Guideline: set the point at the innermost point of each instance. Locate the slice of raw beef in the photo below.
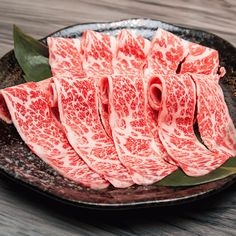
(29, 108)
(214, 122)
(78, 108)
(131, 52)
(177, 96)
(65, 56)
(166, 52)
(98, 50)
(134, 143)
(200, 60)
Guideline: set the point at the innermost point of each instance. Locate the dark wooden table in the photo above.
(25, 213)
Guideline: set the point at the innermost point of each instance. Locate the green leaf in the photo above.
(178, 178)
(32, 56)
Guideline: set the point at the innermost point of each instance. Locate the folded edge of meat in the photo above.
(4, 112)
(175, 120)
(78, 108)
(30, 110)
(153, 100)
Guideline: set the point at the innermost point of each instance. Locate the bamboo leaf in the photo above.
(32, 56)
(178, 178)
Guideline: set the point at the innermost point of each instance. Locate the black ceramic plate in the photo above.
(17, 161)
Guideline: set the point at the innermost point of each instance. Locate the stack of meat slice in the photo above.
(30, 111)
(191, 82)
(121, 110)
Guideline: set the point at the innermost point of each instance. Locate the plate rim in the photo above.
(122, 206)
(134, 19)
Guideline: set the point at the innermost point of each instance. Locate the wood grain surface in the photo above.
(25, 213)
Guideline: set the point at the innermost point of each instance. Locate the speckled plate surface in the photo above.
(18, 162)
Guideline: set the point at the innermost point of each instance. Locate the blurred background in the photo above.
(39, 18)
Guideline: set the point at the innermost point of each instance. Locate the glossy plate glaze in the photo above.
(18, 162)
